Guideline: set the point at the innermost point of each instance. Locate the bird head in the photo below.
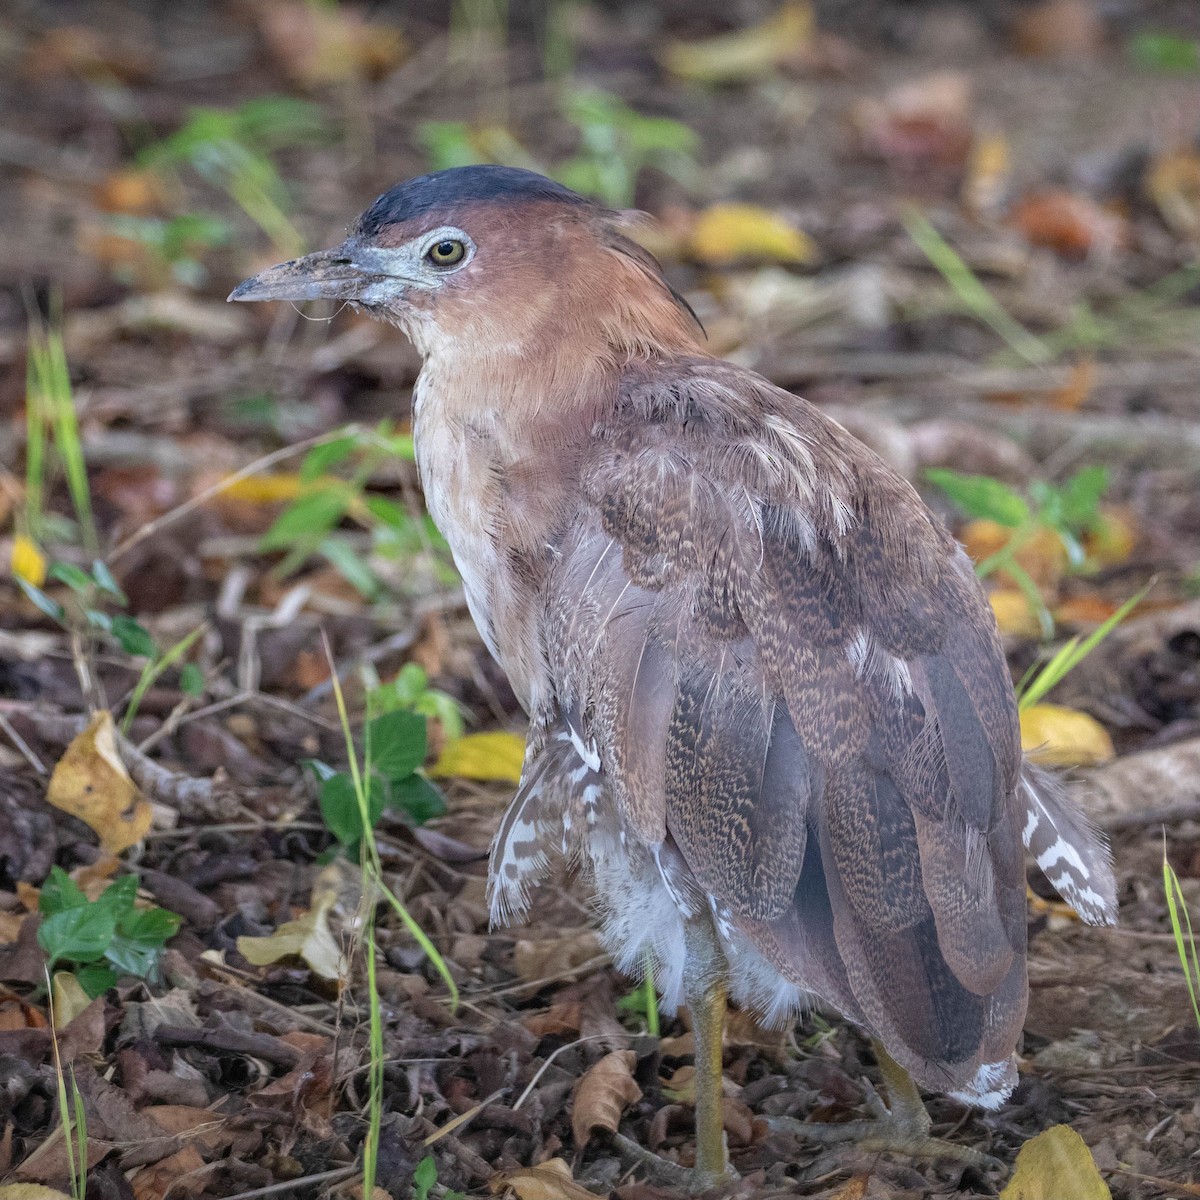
(492, 260)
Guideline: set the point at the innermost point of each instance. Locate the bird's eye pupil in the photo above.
(446, 253)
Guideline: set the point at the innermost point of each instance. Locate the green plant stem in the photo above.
(1181, 930)
(153, 669)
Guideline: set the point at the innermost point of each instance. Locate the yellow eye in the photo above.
(446, 253)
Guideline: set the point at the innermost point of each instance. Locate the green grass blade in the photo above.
(970, 292)
(1074, 652)
(1181, 931)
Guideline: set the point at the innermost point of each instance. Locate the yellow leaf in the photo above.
(1014, 614)
(307, 937)
(267, 489)
(69, 998)
(550, 1180)
(486, 756)
(729, 233)
(746, 53)
(1055, 1164)
(1063, 737)
(27, 561)
(90, 782)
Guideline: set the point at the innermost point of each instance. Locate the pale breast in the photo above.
(463, 465)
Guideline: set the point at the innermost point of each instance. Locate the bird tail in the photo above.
(1070, 852)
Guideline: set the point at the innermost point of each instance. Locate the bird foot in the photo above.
(690, 1181)
(887, 1132)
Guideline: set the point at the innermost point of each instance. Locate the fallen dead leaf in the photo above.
(1070, 224)
(307, 937)
(551, 958)
(730, 233)
(69, 998)
(1042, 556)
(1055, 1164)
(1112, 540)
(1014, 614)
(1064, 737)
(181, 1174)
(485, 756)
(924, 122)
(1059, 29)
(602, 1095)
(90, 782)
(30, 1191)
(989, 169)
(320, 44)
(1173, 184)
(745, 54)
(550, 1180)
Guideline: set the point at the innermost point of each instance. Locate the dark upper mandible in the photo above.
(459, 186)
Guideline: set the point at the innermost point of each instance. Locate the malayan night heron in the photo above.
(768, 707)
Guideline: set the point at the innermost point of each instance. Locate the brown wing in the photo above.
(787, 667)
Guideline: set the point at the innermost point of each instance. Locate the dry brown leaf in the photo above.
(30, 1191)
(1070, 224)
(602, 1095)
(130, 191)
(746, 54)
(321, 43)
(550, 1180)
(69, 998)
(554, 958)
(854, 1188)
(1059, 29)
(558, 1020)
(1054, 1165)
(1064, 737)
(90, 782)
(925, 122)
(181, 1173)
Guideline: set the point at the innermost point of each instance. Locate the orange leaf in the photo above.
(1072, 225)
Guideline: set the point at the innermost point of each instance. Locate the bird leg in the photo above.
(900, 1127)
(704, 988)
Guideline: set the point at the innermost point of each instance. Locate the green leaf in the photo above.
(149, 926)
(339, 807)
(191, 680)
(1080, 497)
(417, 798)
(96, 978)
(132, 958)
(133, 637)
(308, 520)
(424, 1177)
(78, 580)
(343, 557)
(106, 583)
(981, 496)
(78, 934)
(59, 893)
(320, 458)
(1165, 52)
(40, 600)
(389, 512)
(120, 896)
(396, 744)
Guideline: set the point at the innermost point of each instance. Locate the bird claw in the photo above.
(690, 1181)
(889, 1134)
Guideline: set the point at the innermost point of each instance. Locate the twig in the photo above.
(21, 744)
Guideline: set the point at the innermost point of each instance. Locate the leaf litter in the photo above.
(1058, 335)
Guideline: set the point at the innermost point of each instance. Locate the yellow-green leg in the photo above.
(704, 988)
(899, 1127)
